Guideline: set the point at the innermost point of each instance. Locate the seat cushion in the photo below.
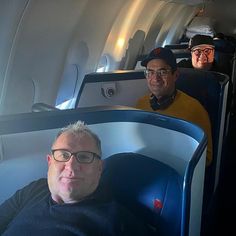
(147, 187)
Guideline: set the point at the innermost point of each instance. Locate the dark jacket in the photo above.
(32, 211)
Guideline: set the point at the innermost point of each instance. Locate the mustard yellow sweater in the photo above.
(186, 108)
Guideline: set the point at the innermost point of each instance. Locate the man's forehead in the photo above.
(158, 63)
(203, 46)
(74, 138)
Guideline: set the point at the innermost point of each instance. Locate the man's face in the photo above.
(160, 78)
(202, 57)
(71, 181)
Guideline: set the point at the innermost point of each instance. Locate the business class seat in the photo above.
(147, 190)
(180, 51)
(210, 88)
(163, 166)
(177, 46)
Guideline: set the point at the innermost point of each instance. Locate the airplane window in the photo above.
(104, 64)
(67, 87)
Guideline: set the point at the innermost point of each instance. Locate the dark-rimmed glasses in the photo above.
(62, 155)
(206, 51)
(159, 73)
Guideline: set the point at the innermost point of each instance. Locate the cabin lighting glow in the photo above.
(120, 42)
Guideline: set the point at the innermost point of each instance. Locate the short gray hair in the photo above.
(79, 128)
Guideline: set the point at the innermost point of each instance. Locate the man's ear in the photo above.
(49, 159)
(176, 74)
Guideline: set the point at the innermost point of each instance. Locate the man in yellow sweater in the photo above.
(161, 73)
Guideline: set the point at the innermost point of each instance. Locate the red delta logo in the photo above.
(157, 51)
(157, 204)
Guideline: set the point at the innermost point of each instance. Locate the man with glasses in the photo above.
(161, 73)
(70, 201)
(202, 55)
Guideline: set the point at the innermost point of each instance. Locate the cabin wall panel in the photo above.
(10, 17)
(38, 52)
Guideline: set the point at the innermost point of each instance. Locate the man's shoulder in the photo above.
(143, 102)
(37, 184)
(27, 195)
(184, 95)
(35, 189)
(144, 97)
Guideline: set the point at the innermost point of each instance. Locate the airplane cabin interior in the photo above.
(68, 60)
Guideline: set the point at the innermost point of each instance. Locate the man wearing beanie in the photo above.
(202, 55)
(161, 73)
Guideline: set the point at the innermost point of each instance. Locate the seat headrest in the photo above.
(148, 188)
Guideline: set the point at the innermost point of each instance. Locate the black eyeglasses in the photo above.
(160, 73)
(206, 51)
(62, 155)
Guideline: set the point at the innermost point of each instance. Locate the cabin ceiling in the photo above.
(196, 2)
(191, 2)
(222, 12)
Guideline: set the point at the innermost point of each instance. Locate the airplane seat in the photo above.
(181, 53)
(233, 81)
(211, 90)
(179, 145)
(111, 88)
(177, 46)
(224, 61)
(224, 45)
(147, 190)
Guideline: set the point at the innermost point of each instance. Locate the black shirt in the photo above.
(31, 211)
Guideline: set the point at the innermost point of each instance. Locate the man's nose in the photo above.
(202, 54)
(157, 78)
(203, 57)
(72, 163)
